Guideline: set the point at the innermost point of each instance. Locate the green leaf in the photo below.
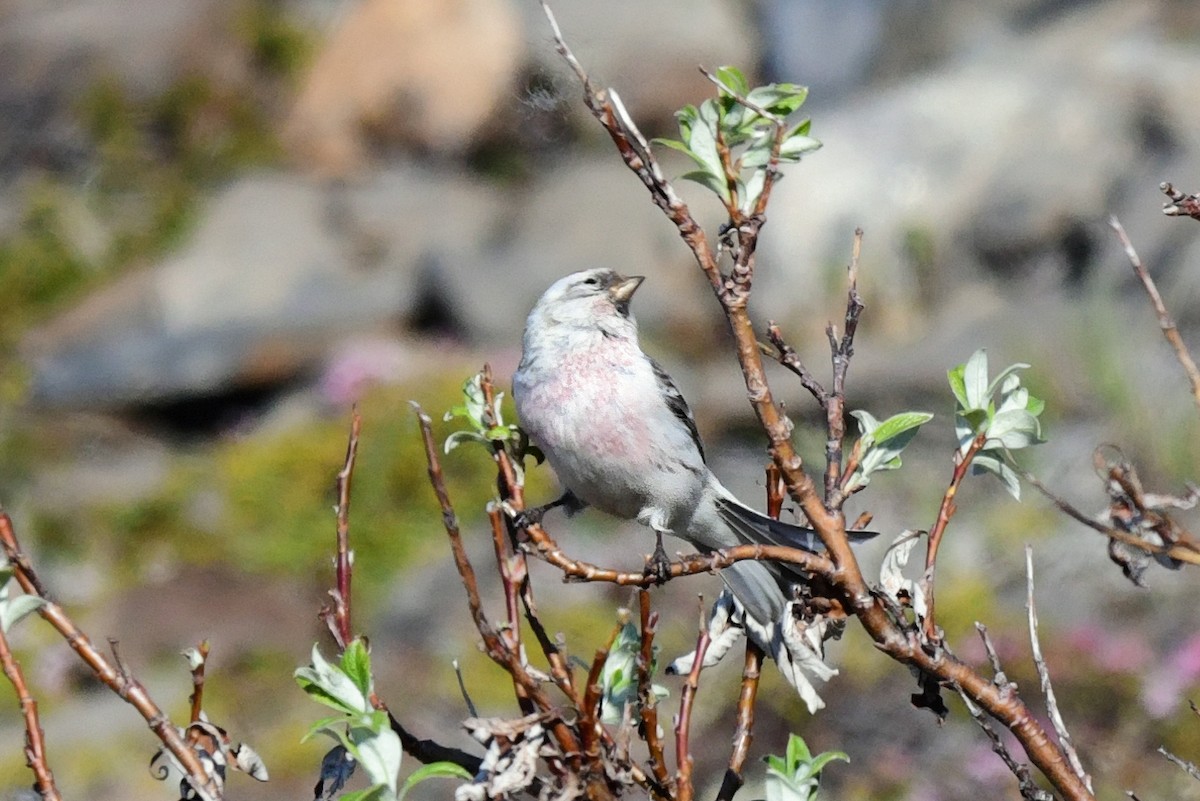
(447, 770)
(780, 99)
(992, 463)
(1005, 374)
(975, 381)
(379, 792)
(329, 685)
(356, 663)
(734, 79)
(14, 610)
(708, 180)
(378, 750)
(898, 424)
(797, 146)
(958, 385)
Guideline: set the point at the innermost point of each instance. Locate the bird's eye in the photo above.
(593, 281)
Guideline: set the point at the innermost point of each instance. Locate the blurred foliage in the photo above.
(262, 503)
(149, 161)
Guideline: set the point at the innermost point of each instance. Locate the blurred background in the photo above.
(224, 222)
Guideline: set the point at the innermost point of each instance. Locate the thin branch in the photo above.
(683, 724)
(647, 702)
(494, 644)
(1165, 321)
(197, 696)
(120, 681)
(340, 622)
(1189, 767)
(543, 546)
(743, 735)
(35, 741)
(786, 355)
(1064, 736)
(1183, 550)
(962, 461)
(1028, 787)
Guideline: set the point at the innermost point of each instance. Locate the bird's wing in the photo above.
(675, 402)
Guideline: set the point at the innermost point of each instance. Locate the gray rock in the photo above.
(991, 164)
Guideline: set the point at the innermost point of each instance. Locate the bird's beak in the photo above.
(622, 290)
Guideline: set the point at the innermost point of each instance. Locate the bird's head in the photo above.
(589, 299)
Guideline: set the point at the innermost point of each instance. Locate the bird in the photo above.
(621, 438)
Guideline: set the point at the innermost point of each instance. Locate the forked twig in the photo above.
(115, 677)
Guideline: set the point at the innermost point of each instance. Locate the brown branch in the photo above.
(835, 408)
(35, 742)
(1165, 321)
(962, 461)
(197, 696)
(647, 702)
(683, 724)
(494, 644)
(846, 579)
(120, 681)
(1183, 551)
(544, 547)
(743, 735)
(589, 718)
(339, 619)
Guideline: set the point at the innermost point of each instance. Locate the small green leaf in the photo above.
(448, 770)
(379, 792)
(329, 685)
(989, 462)
(707, 179)
(898, 424)
(14, 610)
(733, 78)
(975, 381)
(356, 663)
(955, 375)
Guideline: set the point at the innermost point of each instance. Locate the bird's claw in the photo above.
(658, 565)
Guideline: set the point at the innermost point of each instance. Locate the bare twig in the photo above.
(647, 702)
(197, 696)
(1165, 321)
(1183, 550)
(494, 644)
(743, 735)
(962, 461)
(683, 724)
(1028, 787)
(35, 742)
(337, 617)
(542, 545)
(120, 681)
(1190, 767)
(1064, 736)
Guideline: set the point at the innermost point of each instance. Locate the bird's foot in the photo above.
(533, 516)
(658, 564)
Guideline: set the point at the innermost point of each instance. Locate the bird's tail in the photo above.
(764, 590)
(765, 587)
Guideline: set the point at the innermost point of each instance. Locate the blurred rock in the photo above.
(988, 166)
(280, 268)
(409, 72)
